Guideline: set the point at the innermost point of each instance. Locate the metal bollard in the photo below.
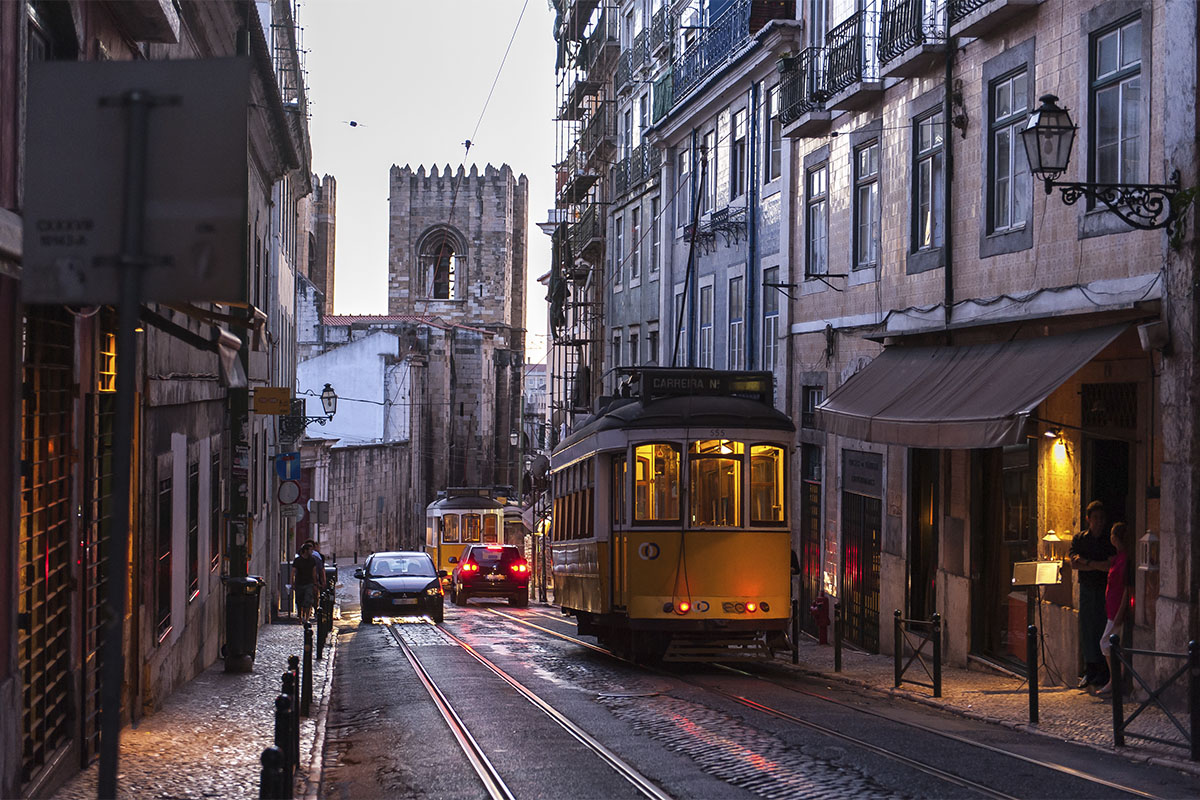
(936, 627)
(306, 690)
(1193, 690)
(898, 635)
(283, 728)
(1031, 659)
(292, 691)
(1118, 704)
(837, 637)
(275, 781)
(795, 631)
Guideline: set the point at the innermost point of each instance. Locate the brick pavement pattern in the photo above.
(208, 738)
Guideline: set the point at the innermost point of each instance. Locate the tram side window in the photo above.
(767, 485)
(450, 528)
(489, 529)
(656, 489)
(470, 527)
(715, 485)
(620, 468)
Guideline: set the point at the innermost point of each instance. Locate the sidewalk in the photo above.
(208, 738)
(1064, 713)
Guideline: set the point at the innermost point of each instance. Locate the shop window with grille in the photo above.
(1109, 405)
(162, 554)
(214, 502)
(193, 530)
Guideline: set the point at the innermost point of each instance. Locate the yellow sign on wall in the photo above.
(272, 400)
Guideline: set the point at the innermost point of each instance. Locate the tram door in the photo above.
(862, 517)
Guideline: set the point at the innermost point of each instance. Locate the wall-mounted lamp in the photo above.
(1053, 433)
(1048, 139)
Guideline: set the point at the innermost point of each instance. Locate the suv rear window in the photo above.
(487, 557)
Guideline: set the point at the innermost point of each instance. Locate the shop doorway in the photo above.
(923, 469)
(862, 517)
(811, 561)
(1003, 518)
(1106, 477)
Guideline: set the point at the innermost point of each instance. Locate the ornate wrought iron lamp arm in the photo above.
(1147, 206)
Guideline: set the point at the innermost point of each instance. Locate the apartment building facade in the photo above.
(973, 360)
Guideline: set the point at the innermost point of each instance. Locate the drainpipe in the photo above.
(752, 270)
(947, 179)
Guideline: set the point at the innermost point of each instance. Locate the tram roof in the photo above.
(683, 412)
(463, 502)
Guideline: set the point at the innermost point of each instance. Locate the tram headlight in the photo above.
(752, 607)
(766, 608)
(684, 606)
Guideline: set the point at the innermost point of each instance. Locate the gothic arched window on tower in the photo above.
(441, 265)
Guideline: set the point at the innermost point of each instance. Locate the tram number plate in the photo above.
(404, 601)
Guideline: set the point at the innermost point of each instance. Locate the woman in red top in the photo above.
(1116, 596)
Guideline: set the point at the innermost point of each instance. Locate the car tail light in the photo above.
(469, 567)
(520, 568)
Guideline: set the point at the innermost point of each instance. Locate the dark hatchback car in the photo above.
(400, 584)
(490, 570)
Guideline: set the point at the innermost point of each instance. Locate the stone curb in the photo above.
(1192, 768)
(314, 775)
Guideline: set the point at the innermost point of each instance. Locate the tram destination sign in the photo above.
(660, 383)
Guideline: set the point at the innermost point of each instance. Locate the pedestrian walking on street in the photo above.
(1092, 554)
(1116, 595)
(306, 577)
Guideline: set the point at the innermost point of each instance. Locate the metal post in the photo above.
(837, 636)
(283, 727)
(306, 690)
(1031, 659)
(795, 631)
(897, 648)
(1194, 696)
(291, 689)
(274, 781)
(936, 632)
(1114, 668)
(137, 106)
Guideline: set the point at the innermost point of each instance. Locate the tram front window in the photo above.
(766, 484)
(471, 527)
(656, 491)
(716, 483)
(450, 528)
(490, 529)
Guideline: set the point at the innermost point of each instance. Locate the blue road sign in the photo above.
(287, 466)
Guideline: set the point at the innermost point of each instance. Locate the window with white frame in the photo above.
(683, 189)
(680, 346)
(709, 183)
(774, 138)
(1116, 97)
(866, 205)
(928, 186)
(655, 234)
(706, 326)
(635, 356)
(737, 323)
(652, 356)
(770, 306)
(627, 133)
(618, 249)
(635, 244)
(737, 155)
(816, 219)
(617, 355)
(1009, 206)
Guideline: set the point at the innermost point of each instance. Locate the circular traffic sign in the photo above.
(289, 492)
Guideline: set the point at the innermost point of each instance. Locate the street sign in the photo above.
(196, 190)
(287, 466)
(292, 510)
(288, 492)
(272, 400)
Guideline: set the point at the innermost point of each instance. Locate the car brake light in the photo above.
(469, 567)
(520, 568)
(495, 547)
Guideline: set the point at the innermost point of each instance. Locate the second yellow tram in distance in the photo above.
(670, 535)
(460, 517)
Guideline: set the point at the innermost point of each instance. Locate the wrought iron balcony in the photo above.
(587, 234)
(959, 9)
(729, 222)
(851, 50)
(621, 177)
(597, 53)
(722, 39)
(623, 81)
(599, 133)
(905, 24)
(660, 29)
(979, 17)
(802, 87)
(641, 49)
(575, 179)
(637, 167)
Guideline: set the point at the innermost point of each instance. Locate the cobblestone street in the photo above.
(207, 739)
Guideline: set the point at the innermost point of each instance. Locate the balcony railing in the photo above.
(662, 97)
(851, 50)
(637, 166)
(600, 129)
(904, 24)
(660, 29)
(723, 37)
(624, 76)
(802, 88)
(621, 177)
(641, 49)
(959, 9)
(600, 43)
(588, 231)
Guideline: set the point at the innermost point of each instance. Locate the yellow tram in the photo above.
(461, 517)
(670, 533)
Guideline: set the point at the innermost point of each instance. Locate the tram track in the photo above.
(493, 782)
(935, 772)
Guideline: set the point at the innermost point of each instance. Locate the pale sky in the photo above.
(415, 75)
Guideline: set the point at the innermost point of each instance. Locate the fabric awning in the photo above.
(978, 395)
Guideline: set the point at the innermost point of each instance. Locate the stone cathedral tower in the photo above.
(457, 262)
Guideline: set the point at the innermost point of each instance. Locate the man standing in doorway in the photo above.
(1091, 556)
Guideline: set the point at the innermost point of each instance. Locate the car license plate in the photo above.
(404, 601)
(495, 577)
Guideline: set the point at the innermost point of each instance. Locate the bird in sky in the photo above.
(353, 123)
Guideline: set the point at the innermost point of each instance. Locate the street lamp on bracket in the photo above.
(291, 426)
(1049, 137)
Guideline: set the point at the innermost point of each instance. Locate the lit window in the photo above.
(107, 380)
(656, 483)
(715, 483)
(767, 485)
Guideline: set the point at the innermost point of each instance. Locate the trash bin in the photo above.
(241, 619)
